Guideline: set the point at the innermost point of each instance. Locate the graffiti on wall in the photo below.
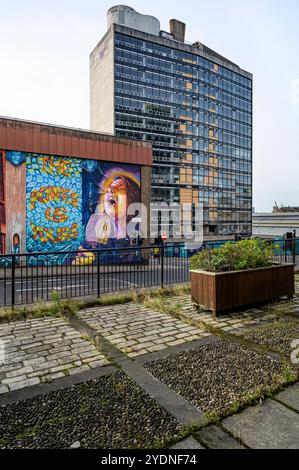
(71, 204)
(54, 203)
(107, 192)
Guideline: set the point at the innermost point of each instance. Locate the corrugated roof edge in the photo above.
(137, 143)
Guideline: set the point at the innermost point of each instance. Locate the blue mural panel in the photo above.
(16, 158)
(54, 203)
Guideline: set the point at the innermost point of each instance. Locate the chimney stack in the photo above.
(178, 30)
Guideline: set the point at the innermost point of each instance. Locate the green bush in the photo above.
(246, 254)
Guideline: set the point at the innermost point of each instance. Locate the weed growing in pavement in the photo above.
(56, 307)
(66, 371)
(289, 373)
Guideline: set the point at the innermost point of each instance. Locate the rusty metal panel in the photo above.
(94, 152)
(88, 148)
(39, 138)
(3, 138)
(61, 145)
(68, 145)
(44, 143)
(53, 144)
(11, 138)
(109, 150)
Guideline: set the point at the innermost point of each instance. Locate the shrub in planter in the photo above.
(238, 275)
(246, 254)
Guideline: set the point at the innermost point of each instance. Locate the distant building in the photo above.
(192, 104)
(285, 209)
(275, 224)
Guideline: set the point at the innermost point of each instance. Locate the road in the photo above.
(115, 279)
(32, 289)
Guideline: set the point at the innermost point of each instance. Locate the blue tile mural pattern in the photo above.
(54, 203)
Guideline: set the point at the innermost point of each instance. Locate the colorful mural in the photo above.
(68, 204)
(54, 203)
(107, 192)
(2, 203)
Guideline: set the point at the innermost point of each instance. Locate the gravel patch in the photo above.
(218, 376)
(278, 336)
(107, 413)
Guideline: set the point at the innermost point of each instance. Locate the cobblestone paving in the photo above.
(236, 320)
(41, 350)
(136, 330)
(227, 322)
(290, 307)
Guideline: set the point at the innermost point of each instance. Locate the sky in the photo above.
(44, 57)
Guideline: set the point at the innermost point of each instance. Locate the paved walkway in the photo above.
(272, 425)
(136, 330)
(46, 355)
(234, 320)
(43, 350)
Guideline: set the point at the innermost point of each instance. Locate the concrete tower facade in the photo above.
(191, 103)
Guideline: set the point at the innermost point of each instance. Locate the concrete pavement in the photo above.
(45, 356)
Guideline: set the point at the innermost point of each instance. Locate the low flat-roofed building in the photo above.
(275, 224)
(59, 187)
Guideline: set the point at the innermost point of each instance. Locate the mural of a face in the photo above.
(116, 199)
(119, 187)
(70, 204)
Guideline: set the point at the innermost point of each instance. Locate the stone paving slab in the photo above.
(235, 321)
(136, 330)
(42, 350)
(290, 397)
(270, 426)
(215, 438)
(187, 444)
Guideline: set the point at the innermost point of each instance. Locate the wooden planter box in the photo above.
(222, 292)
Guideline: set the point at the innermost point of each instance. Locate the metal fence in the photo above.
(29, 278)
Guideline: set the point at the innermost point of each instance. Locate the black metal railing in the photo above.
(33, 277)
(30, 278)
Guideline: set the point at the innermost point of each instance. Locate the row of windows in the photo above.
(169, 126)
(226, 204)
(195, 129)
(193, 143)
(167, 155)
(170, 81)
(216, 183)
(199, 78)
(177, 80)
(173, 53)
(201, 175)
(228, 178)
(146, 105)
(225, 196)
(204, 97)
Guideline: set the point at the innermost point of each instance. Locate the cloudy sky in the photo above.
(44, 57)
